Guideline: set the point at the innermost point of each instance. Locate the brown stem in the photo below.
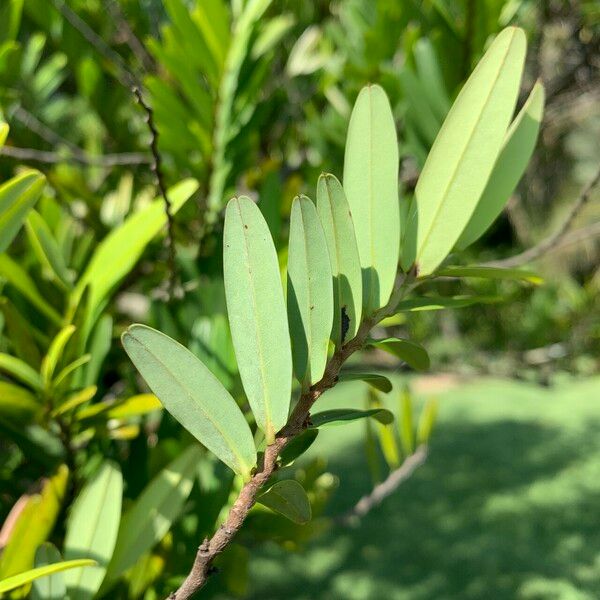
(210, 548)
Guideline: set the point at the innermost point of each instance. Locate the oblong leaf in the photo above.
(55, 352)
(16, 581)
(150, 517)
(92, 529)
(309, 292)
(413, 354)
(257, 314)
(464, 153)
(338, 416)
(51, 587)
(20, 370)
(193, 395)
(17, 403)
(371, 186)
(336, 218)
(379, 382)
(441, 302)
(289, 499)
(298, 446)
(427, 421)
(481, 272)
(17, 197)
(509, 168)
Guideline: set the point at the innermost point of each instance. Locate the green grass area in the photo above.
(507, 506)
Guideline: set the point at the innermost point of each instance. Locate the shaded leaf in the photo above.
(490, 273)
(441, 302)
(309, 293)
(338, 416)
(379, 382)
(413, 354)
(20, 370)
(298, 446)
(289, 499)
(17, 403)
(193, 395)
(427, 421)
(407, 436)
(50, 587)
(371, 186)
(257, 314)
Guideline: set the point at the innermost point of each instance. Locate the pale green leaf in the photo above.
(257, 314)
(338, 416)
(338, 226)
(92, 528)
(149, 519)
(289, 499)
(17, 197)
(464, 153)
(51, 587)
(118, 252)
(20, 370)
(481, 272)
(379, 382)
(16, 581)
(193, 395)
(413, 354)
(371, 186)
(427, 421)
(309, 292)
(509, 168)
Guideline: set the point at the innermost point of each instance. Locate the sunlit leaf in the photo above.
(55, 352)
(74, 400)
(309, 292)
(490, 273)
(336, 219)
(17, 403)
(464, 153)
(289, 499)
(413, 354)
(338, 416)
(509, 168)
(257, 314)
(441, 302)
(405, 423)
(193, 395)
(427, 421)
(371, 186)
(135, 406)
(92, 528)
(20, 370)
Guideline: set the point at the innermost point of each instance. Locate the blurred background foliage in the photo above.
(250, 96)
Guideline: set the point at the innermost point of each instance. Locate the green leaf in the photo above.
(51, 587)
(289, 499)
(476, 271)
(36, 515)
(337, 416)
(298, 446)
(309, 292)
(464, 153)
(74, 400)
(371, 186)
(135, 406)
(4, 129)
(193, 395)
(21, 371)
(257, 314)
(20, 280)
(47, 250)
(55, 352)
(441, 302)
(17, 403)
(427, 421)
(430, 75)
(379, 382)
(336, 219)
(21, 333)
(149, 519)
(518, 147)
(120, 250)
(92, 528)
(407, 436)
(386, 436)
(70, 368)
(413, 354)
(99, 345)
(16, 581)
(17, 197)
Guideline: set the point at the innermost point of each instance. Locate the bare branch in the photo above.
(105, 160)
(210, 548)
(548, 244)
(174, 289)
(384, 489)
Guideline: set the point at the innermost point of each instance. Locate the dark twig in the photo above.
(555, 239)
(174, 289)
(104, 160)
(384, 489)
(209, 549)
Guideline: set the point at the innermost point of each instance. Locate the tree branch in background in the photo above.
(384, 489)
(210, 548)
(548, 244)
(105, 160)
(174, 289)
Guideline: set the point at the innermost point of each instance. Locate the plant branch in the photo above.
(173, 288)
(210, 548)
(384, 489)
(548, 244)
(104, 160)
